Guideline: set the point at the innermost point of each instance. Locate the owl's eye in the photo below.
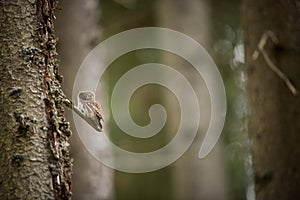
(81, 96)
(89, 96)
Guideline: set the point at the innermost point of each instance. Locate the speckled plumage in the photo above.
(90, 107)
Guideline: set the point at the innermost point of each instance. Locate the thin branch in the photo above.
(273, 67)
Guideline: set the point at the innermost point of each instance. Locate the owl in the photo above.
(90, 108)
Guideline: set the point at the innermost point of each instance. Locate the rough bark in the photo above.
(275, 112)
(35, 162)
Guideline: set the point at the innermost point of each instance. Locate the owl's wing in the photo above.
(98, 110)
(95, 106)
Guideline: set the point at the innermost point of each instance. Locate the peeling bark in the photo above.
(35, 162)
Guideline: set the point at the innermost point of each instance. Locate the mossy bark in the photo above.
(35, 162)
(275, 111)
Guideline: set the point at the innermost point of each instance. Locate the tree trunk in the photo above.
(118, 16)
(275, 111)
(192, 178)
(35, 162)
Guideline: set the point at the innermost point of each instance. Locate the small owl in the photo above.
(91, 108)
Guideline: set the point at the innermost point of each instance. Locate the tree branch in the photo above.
(260, 49)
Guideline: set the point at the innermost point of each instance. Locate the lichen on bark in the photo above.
(35, 161)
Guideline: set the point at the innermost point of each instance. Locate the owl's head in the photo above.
(86, 95)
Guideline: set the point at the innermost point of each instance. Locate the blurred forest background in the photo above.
(226, 173)
(255, 45)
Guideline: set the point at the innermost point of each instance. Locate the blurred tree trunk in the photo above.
(118, 16)
(275, 112)
(35, 161)
(78, 29)
(193, 178)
